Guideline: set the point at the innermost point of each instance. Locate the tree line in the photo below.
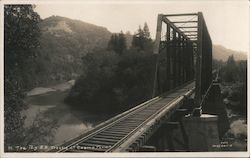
(233, 73)
(21, 34)
(21, 38)
(118, 75)
(117, 78)
(112, 80)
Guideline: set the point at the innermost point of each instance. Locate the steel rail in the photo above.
(176, 100)
(148, 124)
(133, 110)
(144, 111)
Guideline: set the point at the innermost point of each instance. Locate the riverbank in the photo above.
(233, 98)
(55, 121)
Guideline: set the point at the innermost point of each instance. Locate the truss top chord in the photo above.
(184, 21)
(184, 14)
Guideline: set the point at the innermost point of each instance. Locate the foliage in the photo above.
(93, 88)
(217, 64)
(117, 43)
(63, 43)
(21, 34)
(237, 97)
(116, 79)
(113, 83)
(41, 130)
(230, 69)
(135, 76)
(13, 104)
(234, 71)
(142, 40)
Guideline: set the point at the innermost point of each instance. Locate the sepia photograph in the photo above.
(143, 78)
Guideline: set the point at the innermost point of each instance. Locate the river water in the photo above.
(47, 109)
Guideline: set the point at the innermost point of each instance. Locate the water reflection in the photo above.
(47, 110)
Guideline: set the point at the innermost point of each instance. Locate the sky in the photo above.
(227, 21)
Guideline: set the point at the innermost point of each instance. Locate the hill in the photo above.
(222, 53)
(63, 43)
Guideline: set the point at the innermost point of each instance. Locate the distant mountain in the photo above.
(222, 53)
(63, 42)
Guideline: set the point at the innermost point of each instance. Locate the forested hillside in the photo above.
(117, 78)
(63, 42)
(113, 71)
(222, 53)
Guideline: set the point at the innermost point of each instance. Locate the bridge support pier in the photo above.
(202, 132)
(174, 138)
(215, 106)
(172, 134)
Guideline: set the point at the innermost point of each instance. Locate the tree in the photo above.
(21, 34)
(119, 80)
(142, 40)
(146, 31)
(97, 81)
(230, 70)
(112, 83)
(117, 43)
(231, 61)
(122, 45)
(137, 41)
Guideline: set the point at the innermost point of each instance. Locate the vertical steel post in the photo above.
(168, 58)
(185, 56)
(177, 56)
(174, 59)
(158, 34)
(199, 60)
(156, 51)
(182, 59)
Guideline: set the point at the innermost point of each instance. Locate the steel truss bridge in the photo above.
(183, 51)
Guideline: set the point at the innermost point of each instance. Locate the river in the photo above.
(46, 109)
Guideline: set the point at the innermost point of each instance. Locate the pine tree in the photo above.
(111, 42)
(146, 31)
(231, 70)
(122, 46)
(141, 40)
(117, 43)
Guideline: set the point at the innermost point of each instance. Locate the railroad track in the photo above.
(108, 137)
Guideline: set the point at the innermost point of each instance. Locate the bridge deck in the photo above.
(120, 132)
